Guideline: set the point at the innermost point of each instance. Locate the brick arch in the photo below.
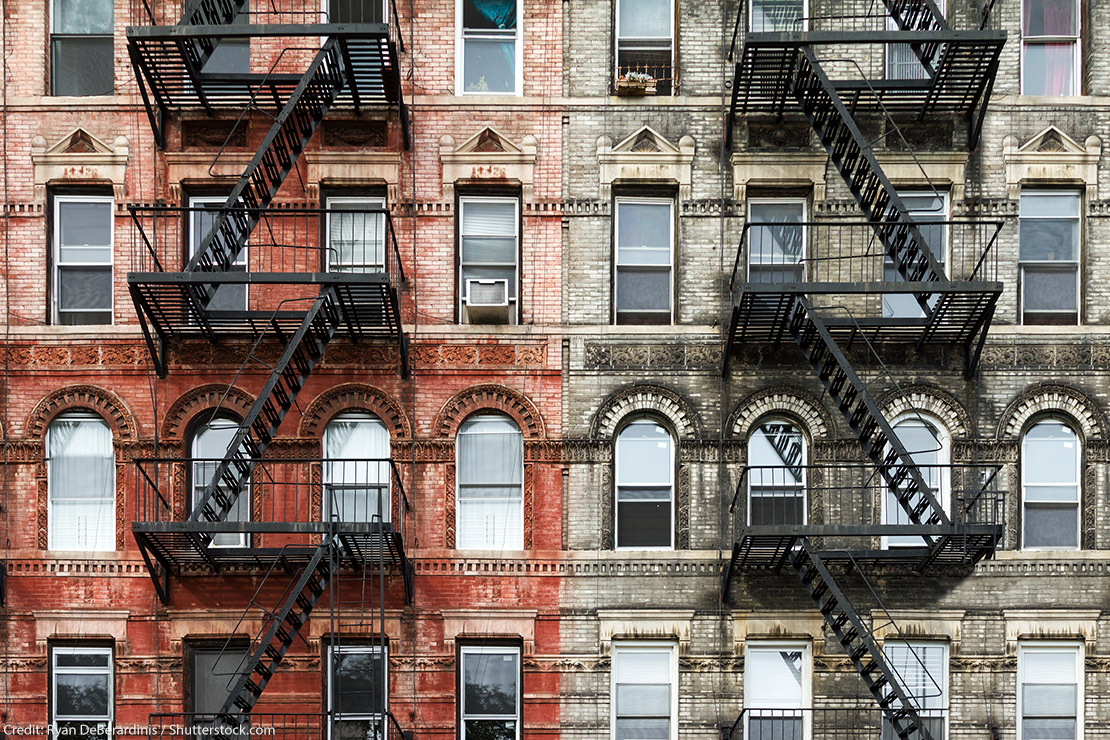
(203, 398)
(487, 398)
(651, 398)
(354, 397)
(73, 397)
(1051, 399)
(933, 401)
(788, 401)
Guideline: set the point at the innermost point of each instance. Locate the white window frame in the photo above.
(58, 265)
(943, 493)
(515, 286)
(108, 503)
(1078, 484)
(1047, 646)
(460, 52)
(362, 203)
(758, 429)
(517, 718)
(803, 258)
(334, 715)
(916, 646)
(670, 484)
(366, 467)
(669, 203)
(242, 539)
(1077, 50)
(54, 33)
(517, 501)
(1081, 227)
(751, 20)
(806, 649)
(55, 671)
(626, 647)
(945, 259)
(669, 37)
(195, 240)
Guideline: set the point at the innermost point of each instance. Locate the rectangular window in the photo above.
(489, 693)
(1051, 465)
(82, 256)
(233, 54)
(356, 238)
(773, 16)
(1049, 257)
(776, 241)
(489, 247)
(358, 679)
(1050, 50)
(645, 255)
(643, 699)
(645, 43)
(215, 668)
(776, 690)
(923, 667)
(901, 62)
(357, 11)
(228, 297)
(81, 691)
(489, 39)
(929, 211)
(1050, 691)
(81, 480)
(81, 58)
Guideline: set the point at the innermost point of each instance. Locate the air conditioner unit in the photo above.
(487, 301)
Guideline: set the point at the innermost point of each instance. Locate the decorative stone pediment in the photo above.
(942, 170)
(645, 157)
(778, 170)
(1051, 158)
(79, 158)
(359, 169)
(197, 169)
(645, 624)
(488, 157)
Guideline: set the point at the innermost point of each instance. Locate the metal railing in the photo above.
(261, 12)
(283, 726)
(826, 723)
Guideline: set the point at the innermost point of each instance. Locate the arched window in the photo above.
(357, 472)
(927, 441)
(1050, 463)
(776, 474)
(490, 470)
(645, 486)
(209, 447)
(81, 480)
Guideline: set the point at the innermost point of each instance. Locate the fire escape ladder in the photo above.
(279, 630)
(199, 49)
(858, 642)
(303, 349)
(787, 445)
(851, 153)
(919, 15)
(275, 159)
(855, 404)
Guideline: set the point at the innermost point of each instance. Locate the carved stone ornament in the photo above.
(494, 398)
(1052, 399)
(354, 169)
(646, 398)
(778, 170)
(73, 397)
(488, 157)
(795, 402)
(204, 398)
(1051, 158)
(354, 397)
(645, 157)
(79, 158)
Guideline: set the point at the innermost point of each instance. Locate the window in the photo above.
(1050, 461)
(489, 37)
(776, 691)
(927, 442)
(356, 238)
(202, 216)
(490, 459)
(645, 486)
(644, 699)
(232, 55)
(776, 474)
(81, 478)
(1049, 257)
(489, 245)
(776, 241)
(1050, 49)
(357, 471)
(923, 667)
(490, 693)
(210, 445)
(1050, 691)
(81, 58)
(645, 240)
(929, 211)
(357, 691)
(645, 33)
(357, 11)
(215, 667)
(901, 62)
(82, 255)
(81, 691)
(769, 16)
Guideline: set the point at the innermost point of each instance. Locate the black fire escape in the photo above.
(271, 279)
(839, 289)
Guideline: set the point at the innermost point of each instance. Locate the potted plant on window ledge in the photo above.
(635, 83)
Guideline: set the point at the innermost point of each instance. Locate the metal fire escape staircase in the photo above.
(778, 70)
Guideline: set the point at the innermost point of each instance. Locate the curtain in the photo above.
(357, 474)
(490, 464)
(489, 14)
(81, 481)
